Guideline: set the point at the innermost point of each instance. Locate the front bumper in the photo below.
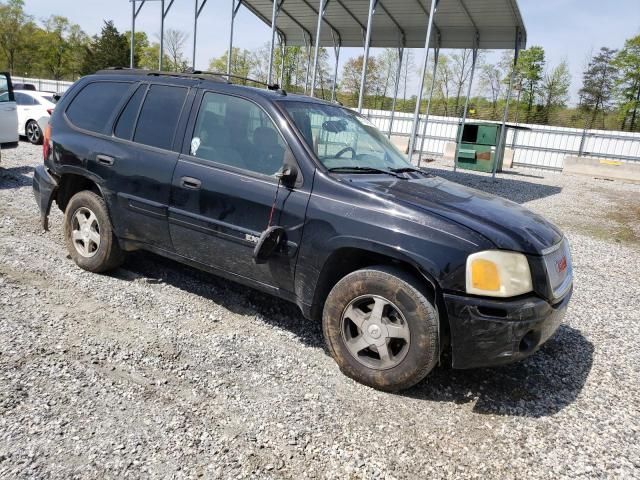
(486, 332)
(44, 188)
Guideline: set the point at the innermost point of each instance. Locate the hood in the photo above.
(505, 223)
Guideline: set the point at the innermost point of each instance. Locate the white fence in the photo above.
(55, 86)
(539, 146)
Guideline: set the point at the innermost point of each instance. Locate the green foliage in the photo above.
(598, 82)
(109, 49)
(529, 74)
(627, 63)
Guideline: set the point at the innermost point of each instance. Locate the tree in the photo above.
(109, 49)
(460, 63)
(627, 63)
(598, 82)
(555, 89)
(14, 24)
(242, 63)
(140, 47)
(59, 50)
(408, 65)
(529, 72)
(352, 75)
(491, 83)
(174, 41)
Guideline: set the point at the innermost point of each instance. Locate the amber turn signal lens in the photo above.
(484, 275)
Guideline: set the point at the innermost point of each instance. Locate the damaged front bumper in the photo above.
(44, 189)
(488, 332)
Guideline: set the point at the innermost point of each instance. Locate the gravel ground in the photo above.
(159, 370)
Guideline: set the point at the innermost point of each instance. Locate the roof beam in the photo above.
(395, 22)
(315, 10)
(362, 26)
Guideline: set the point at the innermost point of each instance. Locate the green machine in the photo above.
(477, 149)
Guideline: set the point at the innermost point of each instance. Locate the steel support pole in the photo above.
(307, 47)
(365, 60)
(395, 89)
(416, 113)
(505, 115)
(336, 51)
(161, 52)
(436, 54)
(321, 9)
(133, 32)
(466, 107)
(274, 17)
(283, 48)
(198, 10)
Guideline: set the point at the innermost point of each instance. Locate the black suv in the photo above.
(308, 201)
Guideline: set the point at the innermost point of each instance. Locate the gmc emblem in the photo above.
(561, 265)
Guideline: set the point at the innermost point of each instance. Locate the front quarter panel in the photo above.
(341, 216)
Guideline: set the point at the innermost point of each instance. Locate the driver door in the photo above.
(224, 187)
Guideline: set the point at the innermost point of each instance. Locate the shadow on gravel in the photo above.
(15, 177)
(151, 268)
(539, 386)
(519, 191)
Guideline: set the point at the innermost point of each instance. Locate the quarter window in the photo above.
(159, 116)
(127, 120)
(236, 132)
(92, 108)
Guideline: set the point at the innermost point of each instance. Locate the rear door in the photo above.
(224, 187)
(8, 111)
(138, 163)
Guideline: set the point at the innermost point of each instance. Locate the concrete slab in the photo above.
(602, 168)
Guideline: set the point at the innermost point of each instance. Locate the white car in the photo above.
(8, 115)
(34, 110)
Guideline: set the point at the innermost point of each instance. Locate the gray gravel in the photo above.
(158, 370)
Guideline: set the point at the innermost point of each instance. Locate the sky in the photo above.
(567, 29)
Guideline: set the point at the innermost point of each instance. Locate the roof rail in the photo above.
(203, 75)
(270, 86)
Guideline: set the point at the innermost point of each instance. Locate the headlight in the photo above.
(498, 274)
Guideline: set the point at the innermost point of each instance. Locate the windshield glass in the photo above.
(342, 139)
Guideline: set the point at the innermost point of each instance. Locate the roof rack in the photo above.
(203, 75)
(270, 86)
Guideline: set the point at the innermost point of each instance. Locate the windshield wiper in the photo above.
(359, 169)
(410, 169)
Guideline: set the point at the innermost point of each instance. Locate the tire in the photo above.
(94, 248)
(33, 132)
(347, 327)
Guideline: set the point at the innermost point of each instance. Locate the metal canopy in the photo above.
(485, 24)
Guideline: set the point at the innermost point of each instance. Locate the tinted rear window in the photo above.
(159, 116)
(94, 105)
(127, 120)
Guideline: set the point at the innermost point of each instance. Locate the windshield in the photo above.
(342, 139)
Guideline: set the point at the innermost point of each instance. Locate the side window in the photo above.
(127, 119)
(159, 116)
(22, 99)
(236, 132)
(6, 93)
(94, 105)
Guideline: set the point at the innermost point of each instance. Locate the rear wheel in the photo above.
(33, 132)
(381, 329)
(89, 235)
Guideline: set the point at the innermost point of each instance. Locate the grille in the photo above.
(559, 269)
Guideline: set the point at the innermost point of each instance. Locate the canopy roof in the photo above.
(398, 22)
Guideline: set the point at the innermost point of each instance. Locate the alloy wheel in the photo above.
(85, 232)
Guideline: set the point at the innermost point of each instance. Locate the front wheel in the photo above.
(33, 132)
(381, 329)
(89, 235)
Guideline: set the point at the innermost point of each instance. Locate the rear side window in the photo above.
(127, 120)
(92, 108)
(159, 116)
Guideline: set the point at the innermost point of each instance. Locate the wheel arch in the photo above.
(347, 259)
(72, 183)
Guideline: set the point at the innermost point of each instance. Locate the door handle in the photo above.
(191, 183)
(105, 160)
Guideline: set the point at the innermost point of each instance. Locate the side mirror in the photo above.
(289, 172)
